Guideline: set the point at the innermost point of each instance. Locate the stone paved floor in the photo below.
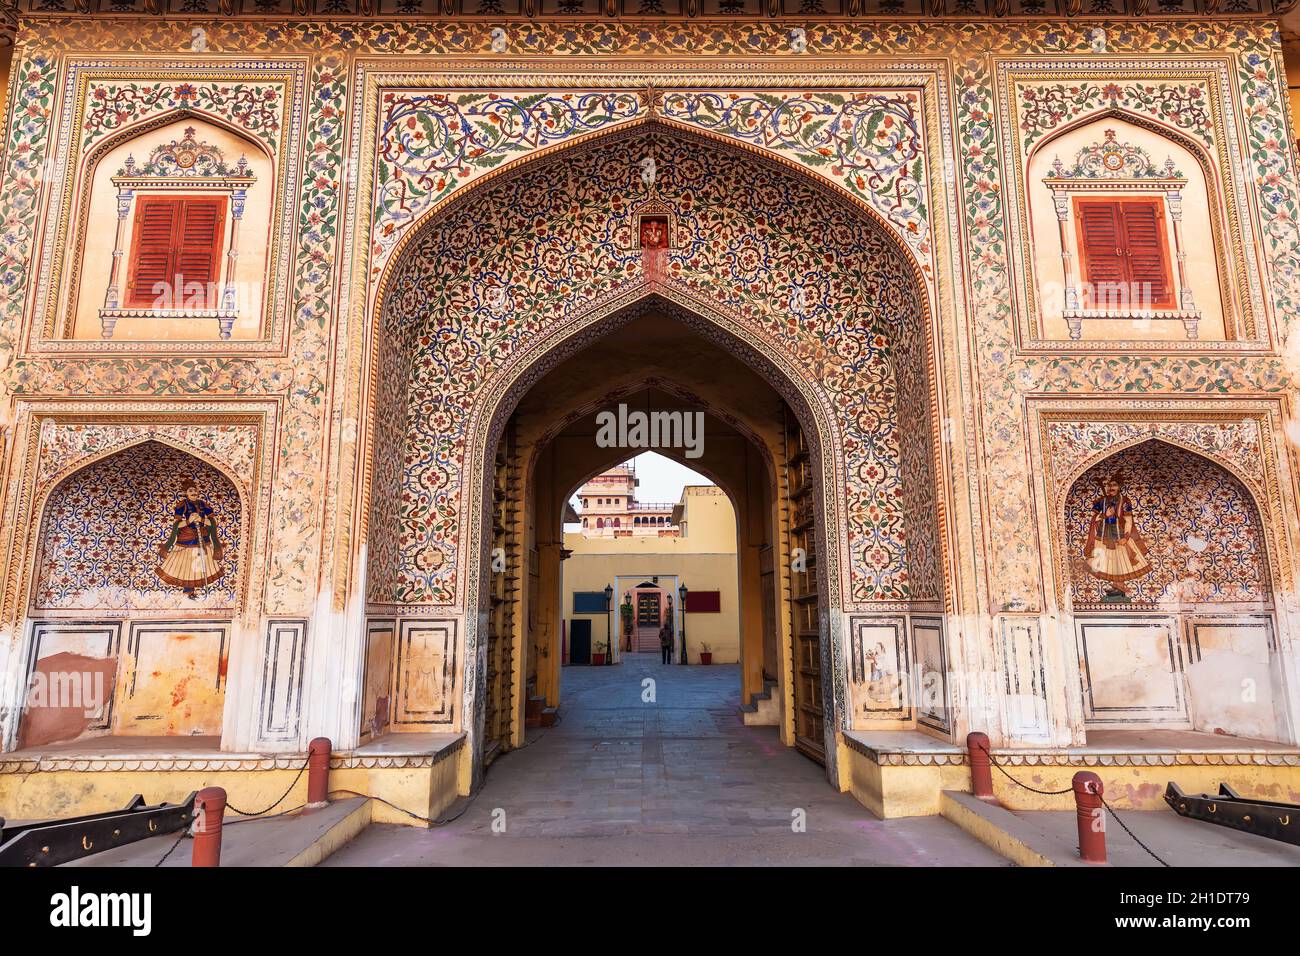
(679, 781)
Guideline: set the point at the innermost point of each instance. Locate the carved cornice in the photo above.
(8, 21)
(642, 11)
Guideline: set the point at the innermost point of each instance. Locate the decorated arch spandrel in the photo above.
(873, 137)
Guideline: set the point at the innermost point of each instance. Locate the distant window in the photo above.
(704, 602)
(1124, 254)
(600, 522)
(176, 251)
(589, 602)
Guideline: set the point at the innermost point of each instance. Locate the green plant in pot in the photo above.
(598, 653)
(625, 615)
(706, 653)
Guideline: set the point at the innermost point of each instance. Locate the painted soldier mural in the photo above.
(192, 554)
(1114, 551)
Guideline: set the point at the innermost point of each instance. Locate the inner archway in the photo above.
(735, 430)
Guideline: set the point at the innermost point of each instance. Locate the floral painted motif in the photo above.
(64, 445)
(431, 143)
(1045, 106)
(871, 142)
(1272, 153)
(1073, 443)
(1200, 527)
(32, 96)
(103, 525)
(294, 523)
(256, 108)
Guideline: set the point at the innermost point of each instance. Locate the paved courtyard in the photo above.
(680, 780)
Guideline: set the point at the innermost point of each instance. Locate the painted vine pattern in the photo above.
(873, 143)
(429, 143)
(1044, 107)
(255, 108)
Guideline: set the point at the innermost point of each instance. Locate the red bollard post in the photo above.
(209, 807)
(1092, 822)
(981, 769)
(318, 772)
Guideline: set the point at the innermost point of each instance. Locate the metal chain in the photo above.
(1046, 793)
(258, 819)
(185, 831)
(1054, 793)
(439, 822)
(243, 813)
(1130, 832)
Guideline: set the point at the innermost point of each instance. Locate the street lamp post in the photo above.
(609, 629)
(681, 593)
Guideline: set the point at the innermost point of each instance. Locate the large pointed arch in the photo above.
(445, 355)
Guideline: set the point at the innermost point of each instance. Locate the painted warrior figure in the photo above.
(192, 554)
(1114, 552)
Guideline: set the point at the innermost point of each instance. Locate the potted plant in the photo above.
(706, 653)
(598, 654)
(625, 614)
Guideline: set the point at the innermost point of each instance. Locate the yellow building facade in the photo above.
(701, 556)
(308, 321)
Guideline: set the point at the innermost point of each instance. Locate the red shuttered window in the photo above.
(176, 252)
(1123, 254)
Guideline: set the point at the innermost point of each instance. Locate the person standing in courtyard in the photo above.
(666, 644)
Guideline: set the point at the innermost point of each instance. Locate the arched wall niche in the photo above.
(1199, 521)
(151, 654)
(101, 527)
(117, 175)
(1154, 166)
(1173, 644)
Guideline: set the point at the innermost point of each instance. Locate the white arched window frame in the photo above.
(1113, 170)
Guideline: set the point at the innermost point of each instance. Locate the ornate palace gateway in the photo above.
(309, 312)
